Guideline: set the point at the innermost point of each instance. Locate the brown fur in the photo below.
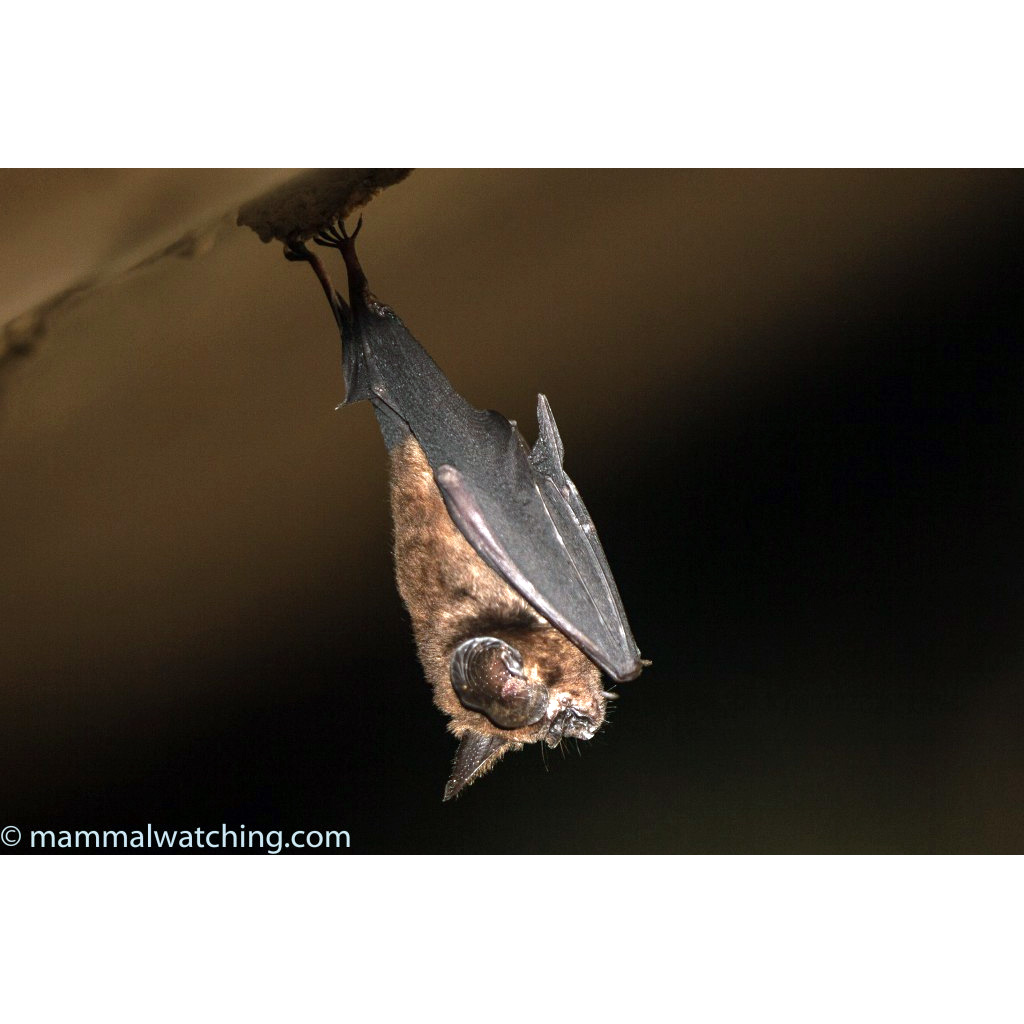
(452, 595)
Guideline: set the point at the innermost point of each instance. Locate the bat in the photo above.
(514, 609)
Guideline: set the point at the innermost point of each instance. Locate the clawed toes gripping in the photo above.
(336, 237)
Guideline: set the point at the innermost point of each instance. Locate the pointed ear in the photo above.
(477, 754)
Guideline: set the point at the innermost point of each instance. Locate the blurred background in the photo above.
(791, 400)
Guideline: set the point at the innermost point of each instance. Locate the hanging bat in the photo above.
(513, 605)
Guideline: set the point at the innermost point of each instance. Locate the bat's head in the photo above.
(519, 685)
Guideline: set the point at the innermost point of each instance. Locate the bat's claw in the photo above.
(336, 237)
(330, 238)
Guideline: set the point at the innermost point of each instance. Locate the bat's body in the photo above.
(512, 602)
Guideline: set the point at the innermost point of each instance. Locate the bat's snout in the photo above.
(573, 723)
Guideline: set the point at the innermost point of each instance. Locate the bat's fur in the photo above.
(452, 595)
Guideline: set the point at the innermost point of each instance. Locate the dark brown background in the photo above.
(791, 400)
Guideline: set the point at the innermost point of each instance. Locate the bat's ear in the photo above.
(487, 675)
(477, 753)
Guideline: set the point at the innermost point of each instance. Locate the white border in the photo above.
(506, 938)
(530, 84)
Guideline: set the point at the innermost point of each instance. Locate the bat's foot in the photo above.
(336, 237)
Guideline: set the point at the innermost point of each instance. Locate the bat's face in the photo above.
(517, 685)
(526, 684)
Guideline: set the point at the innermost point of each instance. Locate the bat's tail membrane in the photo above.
(383, 362)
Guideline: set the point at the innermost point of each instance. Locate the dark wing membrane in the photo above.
(533, 530)
(546, 458)
(517, 508)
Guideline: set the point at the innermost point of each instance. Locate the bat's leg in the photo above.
(336, 237)
(298, 252)
(357, 378)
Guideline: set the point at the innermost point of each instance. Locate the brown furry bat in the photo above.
(513, 605)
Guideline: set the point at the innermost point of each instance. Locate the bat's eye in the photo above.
(487, 675)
